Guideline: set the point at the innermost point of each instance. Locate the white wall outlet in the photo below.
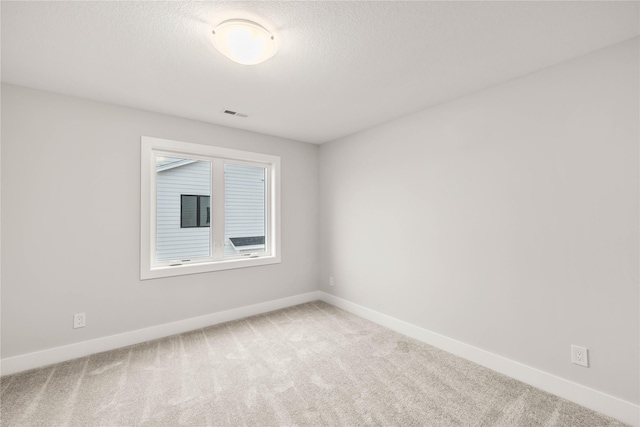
(332, 282)
(580, 355)
(79, 320)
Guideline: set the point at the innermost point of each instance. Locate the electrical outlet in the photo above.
(79, 320)
(331, 281)
(580, 355)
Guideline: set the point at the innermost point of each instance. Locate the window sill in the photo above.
(204, 267)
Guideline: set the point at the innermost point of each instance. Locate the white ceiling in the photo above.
(341, 67)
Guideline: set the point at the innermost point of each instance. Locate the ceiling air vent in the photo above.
(234, 113)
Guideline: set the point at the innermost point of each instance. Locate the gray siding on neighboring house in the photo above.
(244, 207)
(174, 242)
(244, 203)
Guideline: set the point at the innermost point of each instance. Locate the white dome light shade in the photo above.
(244, 42)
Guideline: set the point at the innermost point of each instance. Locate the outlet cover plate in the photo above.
(580, 355)
(79, 320)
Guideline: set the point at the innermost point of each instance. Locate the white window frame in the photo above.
(150, 268)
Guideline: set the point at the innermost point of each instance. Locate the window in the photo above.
(206, 208)
(194, 211)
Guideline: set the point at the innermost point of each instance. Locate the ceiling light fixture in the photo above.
(244, 42)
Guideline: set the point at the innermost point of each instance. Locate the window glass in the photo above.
(182, 185)
(245, 207)
(188, 209)
(205, 212)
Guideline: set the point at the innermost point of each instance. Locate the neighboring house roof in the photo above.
(171, 163)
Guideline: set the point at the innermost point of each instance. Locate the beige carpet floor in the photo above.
(308, 365)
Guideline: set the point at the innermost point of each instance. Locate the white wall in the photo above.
(507, 219)
(63, 158)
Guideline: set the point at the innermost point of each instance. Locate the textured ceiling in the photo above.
(341, 67)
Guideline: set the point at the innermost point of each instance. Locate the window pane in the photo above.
(188, 211)
(179, 184)
(244, 208)
(205, 212)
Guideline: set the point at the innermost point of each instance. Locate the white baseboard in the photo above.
(37, 359)
(612, 406)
